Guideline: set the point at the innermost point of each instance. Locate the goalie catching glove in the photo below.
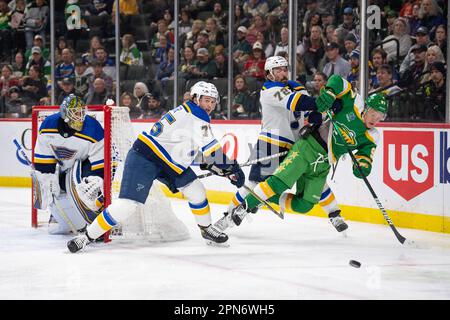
(231, 171)
(90, 191)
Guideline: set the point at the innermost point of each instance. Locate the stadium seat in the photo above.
(136, 73)
(147, 57)
(221, 85)
(203, 15)
(127, 85)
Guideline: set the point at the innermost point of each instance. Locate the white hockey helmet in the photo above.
(274, 62)
(203, 88)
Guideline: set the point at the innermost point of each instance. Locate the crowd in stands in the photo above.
(407, 55)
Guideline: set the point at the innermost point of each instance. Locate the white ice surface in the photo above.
(299, 258)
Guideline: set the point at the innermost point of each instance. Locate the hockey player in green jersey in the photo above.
(308, 162)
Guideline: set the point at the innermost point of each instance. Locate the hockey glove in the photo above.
(237, 178)
(232, 171)
(325, 100)
(315, 118)
(366, 167)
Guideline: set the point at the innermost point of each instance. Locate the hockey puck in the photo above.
(355, 263)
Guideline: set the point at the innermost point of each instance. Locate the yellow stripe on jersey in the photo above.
(347, 88)
(48, 131)
(103, 223)
(187, 108)
(200, 212)
(44, 161)
(369, 136)
(294, 101)
(160, 155)
(355, 108)
(211, 149)
(97, 166)
(83, 136)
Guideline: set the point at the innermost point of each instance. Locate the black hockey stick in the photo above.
(248, 163)
(279, 214)
(374, 195)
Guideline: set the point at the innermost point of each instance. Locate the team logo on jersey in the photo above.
(344, 132)
(350, 116)
(63, 153)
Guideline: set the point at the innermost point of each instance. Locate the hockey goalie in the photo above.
(68, 167)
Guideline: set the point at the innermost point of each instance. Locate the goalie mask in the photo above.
(73, 112)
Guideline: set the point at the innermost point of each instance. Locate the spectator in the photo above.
(413, 75)
(15, 105)
(353, 76)
(185, 23)
(19, 65)
(67, 88)
(5, 30)
(186, 96)
(18, 24)
(98, 72)
(160, 54)
(127, 9)
(33, 86)
(188, 61)
(168, 17)
(191, 37)
(241, 49)
(140, 92)
(327, 19)
(254, 7)
(336, 65)
(339, 36)
(240, 18)
(350, 44)
(434, 93)
(153, 109)
(349, 21)
(94, 44)
(391, 16)
(414, 21)
(401, 33)
(7, 80)
(441, 38)
(36, 19)
(99, 8)
(267, 46)
(422, 39)
(130, 54)
(220, 16)
(254, 67)
(163, 30)
(329, 33)
(99, 95)
(258, 25)
(430, 15)
(128, 100)
(37, 60)
(221, 61)
(205, 67)
(38, 42)
(203, 42)
(283, 45)
(313, 20)
(312, 50)
(60, 46)
(273, 28)
(384, 76)
(165, 70)
(319, 80)
(243, 103)
(215, 35)
(81, 77)
(107, 63)
(434, 54)
(67, 67)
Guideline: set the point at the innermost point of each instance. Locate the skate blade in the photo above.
(215, 244)
(344, 233)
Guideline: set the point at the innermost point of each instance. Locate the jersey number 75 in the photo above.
(157, 128)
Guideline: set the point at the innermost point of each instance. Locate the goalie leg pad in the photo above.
(45, 186)
(70, 210)
(196, 194)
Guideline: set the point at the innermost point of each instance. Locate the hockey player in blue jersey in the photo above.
(68, 162)
(166, 153)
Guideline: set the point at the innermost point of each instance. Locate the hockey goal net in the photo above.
(154, 221)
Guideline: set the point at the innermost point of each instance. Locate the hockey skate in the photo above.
(239, 213)
(213, 236)
(78, 243)
(338, 222)
(223, 223)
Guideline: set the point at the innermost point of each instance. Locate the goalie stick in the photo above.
(55, 201)
(248, 163)
(374, 195)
